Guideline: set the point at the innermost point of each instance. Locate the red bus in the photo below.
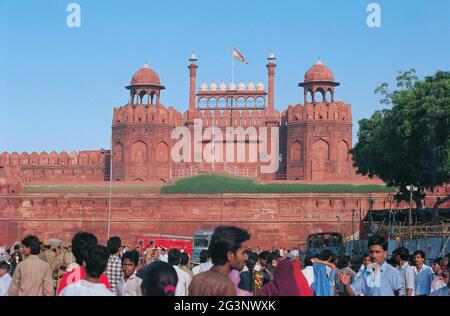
(165, 241)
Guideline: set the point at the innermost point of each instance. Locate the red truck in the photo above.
(165, 241)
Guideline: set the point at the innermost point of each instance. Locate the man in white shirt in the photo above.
(423, 275)
(184, 279)
(129, 284)
(163, 256)
(96, 262)
(205, 263)
(401, 255)
(5, 278)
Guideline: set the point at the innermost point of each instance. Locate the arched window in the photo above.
(139, 152)
(202, 103)
(297, 151)
(212, 102)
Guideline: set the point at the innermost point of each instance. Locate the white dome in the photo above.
(241, 86)
(231, 86)
(223, 86)
(204, 87)
(251, 86)
(213, 86)
(272, 55)
(260, 86)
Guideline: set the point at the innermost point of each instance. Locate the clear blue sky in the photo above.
(58, 85)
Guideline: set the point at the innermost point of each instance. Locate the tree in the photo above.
(410, 142)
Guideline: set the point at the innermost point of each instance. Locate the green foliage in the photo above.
(409, 143)
(216, 184)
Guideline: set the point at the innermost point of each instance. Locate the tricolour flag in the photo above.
(238, 56)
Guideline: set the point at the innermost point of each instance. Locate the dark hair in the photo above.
(377, 240)
(81, 243)
(96, 260)
(32, 242)
(264, 255)
(132, 255)
(343, 262)
(438, 261)
(366, 254)
(174, 257)
(251, 260)
(326, 255)
(307, 261)
(184, 260)
(114, 244)
(402, 252)
(4, 265)
(204, 256)
(225, 239)
(420, 253)
(159, 279)
(16, 247)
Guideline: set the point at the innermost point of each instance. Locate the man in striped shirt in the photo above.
(114, 270)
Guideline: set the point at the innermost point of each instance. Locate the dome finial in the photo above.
(319, 62)
(146, 64)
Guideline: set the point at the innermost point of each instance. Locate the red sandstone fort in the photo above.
(314, 141)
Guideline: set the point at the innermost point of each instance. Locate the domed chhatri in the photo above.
(319, 73)
(145, 76)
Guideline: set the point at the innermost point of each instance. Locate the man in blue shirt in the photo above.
(379, 278)
(423, 275)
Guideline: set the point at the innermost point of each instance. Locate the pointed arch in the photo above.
(343, 151)
(118, 152)
(162, 152)
(321, 150)
(139, 152)
(297, 151)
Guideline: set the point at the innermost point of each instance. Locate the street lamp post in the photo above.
(411, 190)
(110, 154)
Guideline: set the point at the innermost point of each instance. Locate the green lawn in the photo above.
(216, 184)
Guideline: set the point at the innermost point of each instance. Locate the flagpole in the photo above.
(232, 65)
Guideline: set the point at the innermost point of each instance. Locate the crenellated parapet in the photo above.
(43, 159)
(337, 112)
(144, 114)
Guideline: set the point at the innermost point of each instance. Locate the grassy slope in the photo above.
(213, 184)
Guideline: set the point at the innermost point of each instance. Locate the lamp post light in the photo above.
(110, 155)
(411, 190)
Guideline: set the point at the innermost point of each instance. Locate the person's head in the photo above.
(204, 256)
(326, 255)
(8, 251)
(343, 262)
(114, 244)
(367, 259)
(159, 279)
(130, 260)
(419, 257)
(16, 248)
(4, 268)
(184, 259)
(401, 254)
(228, 245)
(252, 258)
(264, 258)
(445, 261)
(174, 257)
(96, 261)
(81, 243)
(307, 261)
(411, 261)
(31, 245)
(163, 251)
(377, 249)
(437, 265)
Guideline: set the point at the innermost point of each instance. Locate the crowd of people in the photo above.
(228, 268)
